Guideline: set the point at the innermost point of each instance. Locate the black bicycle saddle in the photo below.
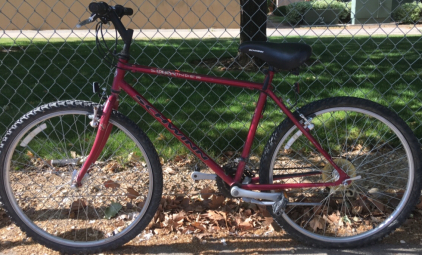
(285, 56)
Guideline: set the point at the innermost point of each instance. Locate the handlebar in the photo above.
(102, 8)
(120, 10)
(112, 14)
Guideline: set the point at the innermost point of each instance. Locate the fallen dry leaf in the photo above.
(161, 137)
(357, 206)
(216, 201)
(377, 205)
(111, 167)
(133, 157)
(246, 225)
(268, 221)
(199, 226)
(73, 154)
(317, 223)
(357, 147)
(78, 204)
(334, 217)
(29, 154)
(111, 184)
(179, 216)
(170, 170)
(131, 193)
(264, 211)
(214, 215)
(179, 158)
(206, 192)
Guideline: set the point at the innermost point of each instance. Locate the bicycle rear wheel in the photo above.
(363, 138)
(118, 198)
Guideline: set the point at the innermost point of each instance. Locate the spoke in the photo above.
(383, 175)
(380, 158)
(375, 146)
(375, 201)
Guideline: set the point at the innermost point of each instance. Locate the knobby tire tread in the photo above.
(346, 102)
(131, 127)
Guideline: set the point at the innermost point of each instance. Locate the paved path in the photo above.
(280, 30)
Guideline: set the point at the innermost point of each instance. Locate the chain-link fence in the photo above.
(369, 49)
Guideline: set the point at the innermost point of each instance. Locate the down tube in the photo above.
(176, 132)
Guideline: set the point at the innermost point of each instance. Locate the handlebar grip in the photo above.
(100, 8)
(120, 10)
(128, 11)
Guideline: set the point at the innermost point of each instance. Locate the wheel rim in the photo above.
(388, 219)
(80, 205)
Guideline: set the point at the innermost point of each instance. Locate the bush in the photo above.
(343, 7)
(281, 11)
(295, 11)
(408, 13)
(345, 13)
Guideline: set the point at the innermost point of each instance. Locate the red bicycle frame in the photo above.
(104, 127)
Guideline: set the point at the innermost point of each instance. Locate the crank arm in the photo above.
(196, 176)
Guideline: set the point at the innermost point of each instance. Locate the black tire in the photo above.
(38, 156)
(365, 139)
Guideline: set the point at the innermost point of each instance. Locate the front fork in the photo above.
(103, 132)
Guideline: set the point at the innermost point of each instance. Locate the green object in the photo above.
(295, 12)
(112, 210)
(280, 11)
(396, 3)
(320, 12)
(371, 12)
(408, 13)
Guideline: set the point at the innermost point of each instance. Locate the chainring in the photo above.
(230, 170)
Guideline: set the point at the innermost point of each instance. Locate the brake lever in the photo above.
(87, 21)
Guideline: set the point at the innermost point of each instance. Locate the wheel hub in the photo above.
(329, 173)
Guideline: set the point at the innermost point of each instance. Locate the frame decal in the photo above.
(171, 127)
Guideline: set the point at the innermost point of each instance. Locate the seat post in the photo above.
(268, 78)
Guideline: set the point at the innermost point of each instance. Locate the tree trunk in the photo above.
(253, 25)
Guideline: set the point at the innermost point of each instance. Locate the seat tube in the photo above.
(251, 135)
(254, 125)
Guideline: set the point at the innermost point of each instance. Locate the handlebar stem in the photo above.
(126, 34)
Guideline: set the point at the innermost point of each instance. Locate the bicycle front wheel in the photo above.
(366, 140)
(39, 158)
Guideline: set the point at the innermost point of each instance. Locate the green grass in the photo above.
(382, 69)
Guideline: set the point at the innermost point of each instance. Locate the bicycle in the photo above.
(81, 177)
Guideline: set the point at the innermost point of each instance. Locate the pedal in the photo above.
(280, 204)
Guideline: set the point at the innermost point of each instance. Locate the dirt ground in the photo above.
(225, 225)
(257, 241)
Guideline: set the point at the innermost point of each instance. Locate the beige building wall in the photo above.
(152, 14)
